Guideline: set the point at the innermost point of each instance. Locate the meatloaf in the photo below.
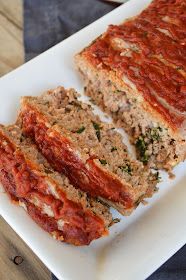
(91, 153)
(136, 71)
(66, 213)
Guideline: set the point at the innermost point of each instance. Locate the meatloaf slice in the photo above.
(91, 153)
(67, 213)
(137, 72)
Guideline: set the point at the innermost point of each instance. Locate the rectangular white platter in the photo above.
(139, 244)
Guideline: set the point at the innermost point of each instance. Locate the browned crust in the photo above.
(9, 140)
(140, 38)
(86, 69)
(54, 133)
(154, 114)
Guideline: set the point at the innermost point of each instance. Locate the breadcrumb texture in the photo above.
(90, 152)
(48, 196)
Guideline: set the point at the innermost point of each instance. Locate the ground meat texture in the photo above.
(91, 153)
(136, 72)
(95, 181)
(24, 181)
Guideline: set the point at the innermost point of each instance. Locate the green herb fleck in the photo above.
(142, 147)
(158, 177)
(142, 143)
(97, 129)
(113, 149)
(139, 200)
(114, 221)
(117, 91)
(126, 168)
(96, 126)
(154, 133)
(103, 161)
(145, 34)
(80, 130)
(98, 134)
(80, 194)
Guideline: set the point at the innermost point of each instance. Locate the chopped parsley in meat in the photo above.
(97, 129)
(155, 133)
(158, 177)
(141, 147)
(114, 221)
(103, 161)
(113, 149)
(80, 130)
(152, 135)
(126, 168)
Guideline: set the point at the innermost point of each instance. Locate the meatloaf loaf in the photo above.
(91, 153)
(60, 209)
(136, 71)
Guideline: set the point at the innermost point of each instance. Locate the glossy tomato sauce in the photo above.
(21, 183)
(57, 149)
(157, 56)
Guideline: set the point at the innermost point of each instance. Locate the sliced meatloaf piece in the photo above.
(91, 153)
(67, 213)
(136, 71)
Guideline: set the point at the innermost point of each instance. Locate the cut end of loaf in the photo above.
(103, 166)
(157, 144)
(136, 71)
(49, 197)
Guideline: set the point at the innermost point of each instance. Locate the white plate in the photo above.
(140, 243)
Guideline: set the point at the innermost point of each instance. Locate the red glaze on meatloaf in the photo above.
(68, 214)
(77, 143)
(141, 64)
